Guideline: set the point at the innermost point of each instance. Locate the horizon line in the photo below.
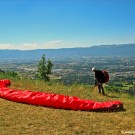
(71, 47)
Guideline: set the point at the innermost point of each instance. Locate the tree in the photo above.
(44, 69)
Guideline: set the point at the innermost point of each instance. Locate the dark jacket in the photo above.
(99, 75)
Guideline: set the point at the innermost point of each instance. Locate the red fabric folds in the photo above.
(55, 100)
(5, 83)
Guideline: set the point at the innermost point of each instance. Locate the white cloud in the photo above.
(30, 45)
(19, 47)
(54, 42)
(47, 45)
(5, 46)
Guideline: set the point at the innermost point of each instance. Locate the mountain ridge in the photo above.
(93, 51)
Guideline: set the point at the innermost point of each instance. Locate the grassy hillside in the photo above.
(23, 119)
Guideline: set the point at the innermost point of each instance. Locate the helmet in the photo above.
(93, 69)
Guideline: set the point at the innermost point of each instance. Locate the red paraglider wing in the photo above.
(54, 100)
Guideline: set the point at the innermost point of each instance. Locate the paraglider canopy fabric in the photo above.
(55, 100)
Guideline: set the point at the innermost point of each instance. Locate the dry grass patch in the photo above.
(23, 119)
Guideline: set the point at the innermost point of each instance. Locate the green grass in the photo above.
(126, 87)
(23, 119)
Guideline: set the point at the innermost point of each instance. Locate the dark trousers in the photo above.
(100, 88)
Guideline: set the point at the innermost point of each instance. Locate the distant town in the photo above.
(78, 70)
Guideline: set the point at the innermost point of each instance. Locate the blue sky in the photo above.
(39, 24)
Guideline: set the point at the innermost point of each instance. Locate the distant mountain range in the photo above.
(94, 51)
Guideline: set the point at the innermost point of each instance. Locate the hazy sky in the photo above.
(32, 24)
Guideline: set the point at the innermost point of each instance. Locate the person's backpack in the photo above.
(106, 75)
